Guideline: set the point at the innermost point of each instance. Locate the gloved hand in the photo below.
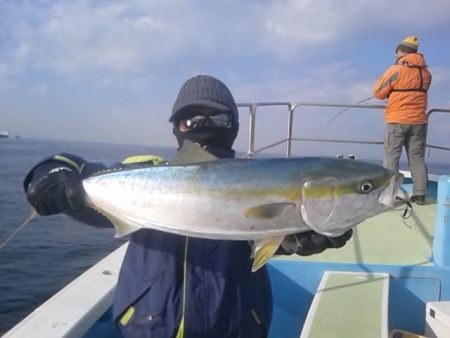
(54, 187)
(310, 242)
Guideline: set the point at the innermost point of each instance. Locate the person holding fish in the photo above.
(171, 285)
(405, 86)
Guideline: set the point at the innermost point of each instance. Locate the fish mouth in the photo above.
(388, 196)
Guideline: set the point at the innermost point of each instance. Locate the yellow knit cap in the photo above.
(409, 44)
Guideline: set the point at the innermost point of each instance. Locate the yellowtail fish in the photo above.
(261, 200)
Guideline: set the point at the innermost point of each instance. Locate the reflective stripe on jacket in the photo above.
(405, 85)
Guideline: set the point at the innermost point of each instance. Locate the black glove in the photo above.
(54, 187)
(310, 243)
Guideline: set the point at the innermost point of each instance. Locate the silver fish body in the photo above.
(244, 199)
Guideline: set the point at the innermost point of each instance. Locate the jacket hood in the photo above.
(412, 59)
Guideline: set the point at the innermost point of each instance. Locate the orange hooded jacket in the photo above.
(405, 84)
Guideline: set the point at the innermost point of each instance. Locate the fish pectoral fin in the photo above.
(263, 250)
(268, 211)
(122, 228)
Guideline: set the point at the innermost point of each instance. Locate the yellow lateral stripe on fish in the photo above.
(295, 193)
(290, 194)
(317, 192)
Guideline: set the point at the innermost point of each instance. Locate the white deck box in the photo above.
(437, 320)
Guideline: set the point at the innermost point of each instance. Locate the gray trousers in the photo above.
(413, 138)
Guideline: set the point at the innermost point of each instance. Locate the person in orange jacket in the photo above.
(405, 85)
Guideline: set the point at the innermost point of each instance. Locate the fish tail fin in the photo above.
(263, 250)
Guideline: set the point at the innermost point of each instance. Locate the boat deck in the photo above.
(386, 239)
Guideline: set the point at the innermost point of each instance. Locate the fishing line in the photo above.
(32, 215)
(406, 213)
(348, 108)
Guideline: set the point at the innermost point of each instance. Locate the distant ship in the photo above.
(4, 134)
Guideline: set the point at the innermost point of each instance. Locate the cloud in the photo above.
(73, 38)
(85, 37)
(333, 82)
(440, 76)
(76, 37)
(303, 27)
(107, 40)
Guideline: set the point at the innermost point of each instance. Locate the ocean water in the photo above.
(51, 251)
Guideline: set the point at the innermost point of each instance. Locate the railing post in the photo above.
(289, 133)
(441, 241)
(251, 131)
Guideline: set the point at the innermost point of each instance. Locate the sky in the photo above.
(109, 70)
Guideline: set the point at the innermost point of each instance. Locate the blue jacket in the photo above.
(175, 286)
(165, 277)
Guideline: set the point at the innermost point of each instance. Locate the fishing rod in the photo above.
(344, 110)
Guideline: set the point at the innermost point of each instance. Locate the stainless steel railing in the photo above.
(291, 108)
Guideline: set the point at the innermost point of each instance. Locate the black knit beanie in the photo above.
(206, 91)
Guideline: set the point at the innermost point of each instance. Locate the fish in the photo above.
(260, 200)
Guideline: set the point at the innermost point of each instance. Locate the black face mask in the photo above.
(208, 136)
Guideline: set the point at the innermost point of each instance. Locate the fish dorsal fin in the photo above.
(268, 211)
(191, 152)
(263, 250)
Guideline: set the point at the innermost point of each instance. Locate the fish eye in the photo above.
(366, 187)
